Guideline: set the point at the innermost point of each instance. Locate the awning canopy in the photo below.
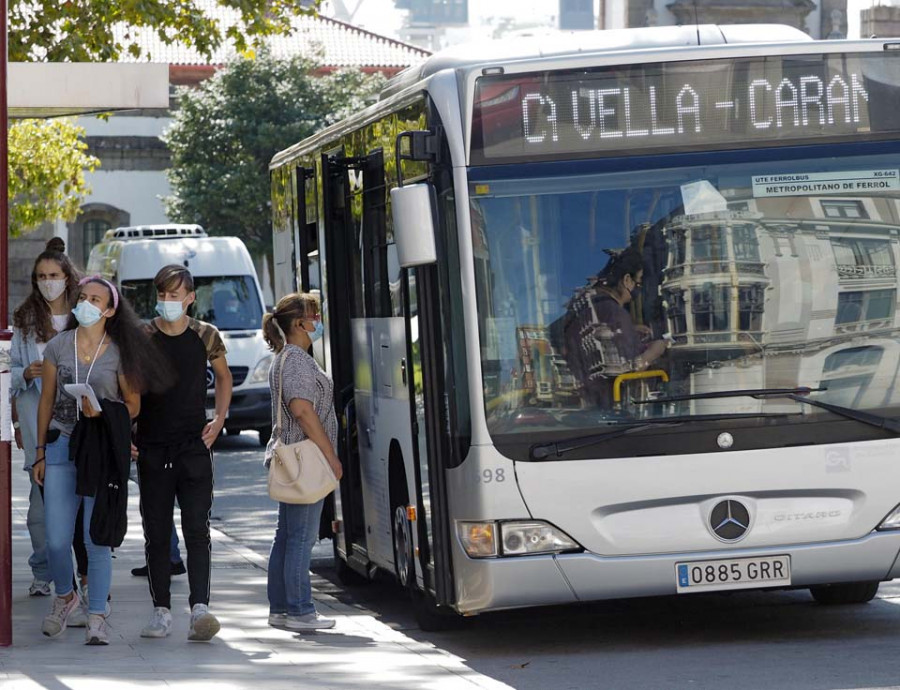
(54, 89)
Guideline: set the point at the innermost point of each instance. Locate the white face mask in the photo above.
(51, 289)
(59, 322)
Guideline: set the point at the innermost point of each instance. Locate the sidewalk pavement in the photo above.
(360, 652)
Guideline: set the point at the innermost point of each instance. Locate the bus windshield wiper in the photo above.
(875, 420)
(796, 394)
(557, 449)
(744, 392)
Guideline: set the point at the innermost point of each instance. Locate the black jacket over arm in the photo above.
(101, 450)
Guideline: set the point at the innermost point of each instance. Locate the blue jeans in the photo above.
(37, 561)
(289, 588)
(60, 508)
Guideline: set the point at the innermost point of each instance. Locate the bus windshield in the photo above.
(230, 303)
(777, 272)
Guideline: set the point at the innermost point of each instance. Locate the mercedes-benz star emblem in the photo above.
(729, 520)
(210, 377)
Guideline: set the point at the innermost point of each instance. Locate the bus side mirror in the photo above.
(412, 208)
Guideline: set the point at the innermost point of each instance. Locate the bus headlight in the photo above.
(522, 538)
(478, 538)
(260, 373)
(892, 521)
(513, 538)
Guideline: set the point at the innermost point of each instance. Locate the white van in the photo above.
(228, 296)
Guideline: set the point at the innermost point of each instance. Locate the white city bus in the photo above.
(506, 440)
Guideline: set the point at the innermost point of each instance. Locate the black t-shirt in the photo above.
(179, 414)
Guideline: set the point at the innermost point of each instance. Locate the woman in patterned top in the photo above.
(307, 399)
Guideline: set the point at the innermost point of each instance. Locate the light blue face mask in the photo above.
(87, 314)
(318, 332)
(170, 311)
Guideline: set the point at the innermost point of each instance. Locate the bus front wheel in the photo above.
(846, 593)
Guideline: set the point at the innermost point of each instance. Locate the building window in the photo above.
(852, 358)
(710, 306)
(868, 305)
(844, 208)
(676, 311)
(709, 247)
(750, 307)
(848, 373)
(859, 258)
(93, 231)
(746, 244)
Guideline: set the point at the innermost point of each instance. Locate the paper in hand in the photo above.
(79, 390)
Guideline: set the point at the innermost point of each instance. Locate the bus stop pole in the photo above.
(5, 335)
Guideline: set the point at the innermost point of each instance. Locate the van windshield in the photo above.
(230, 303)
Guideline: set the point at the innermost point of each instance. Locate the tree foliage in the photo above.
(47, 162)
(226, 132)
(104, 30)
(44, 155)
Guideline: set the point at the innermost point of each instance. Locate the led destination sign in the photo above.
(689, 105)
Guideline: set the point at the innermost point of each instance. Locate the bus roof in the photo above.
(588, 42)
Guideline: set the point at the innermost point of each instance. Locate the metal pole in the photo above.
(5, 445)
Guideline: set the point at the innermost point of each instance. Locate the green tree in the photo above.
(47, 162)
(46, 181)
(101, 30)
(226, 132)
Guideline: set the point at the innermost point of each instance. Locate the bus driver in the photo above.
(618, 284)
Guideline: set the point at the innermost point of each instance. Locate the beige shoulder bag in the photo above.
(299, 472)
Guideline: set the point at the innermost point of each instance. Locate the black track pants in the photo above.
(184, 471)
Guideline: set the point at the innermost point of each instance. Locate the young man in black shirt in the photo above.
(174, 456)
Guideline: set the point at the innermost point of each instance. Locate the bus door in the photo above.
(343, 291)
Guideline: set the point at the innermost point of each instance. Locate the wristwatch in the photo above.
(16, 425)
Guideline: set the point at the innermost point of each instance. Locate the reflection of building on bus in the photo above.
(772, 301)
(545, 378)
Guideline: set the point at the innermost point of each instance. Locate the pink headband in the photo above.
(96, 278)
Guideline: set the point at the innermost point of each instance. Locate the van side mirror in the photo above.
(412, 208)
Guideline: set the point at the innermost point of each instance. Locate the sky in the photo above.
(381, 17)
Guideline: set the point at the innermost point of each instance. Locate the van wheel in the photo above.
(848, 593)
(232, 430)
(265, 433)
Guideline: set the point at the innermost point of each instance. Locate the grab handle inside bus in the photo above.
(635, 376)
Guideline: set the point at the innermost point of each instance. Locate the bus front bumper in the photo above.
(505, 583)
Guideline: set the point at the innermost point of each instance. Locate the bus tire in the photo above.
(846, 593)
(404, 564)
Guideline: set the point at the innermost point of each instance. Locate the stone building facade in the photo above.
(880, 20)
(819, 18)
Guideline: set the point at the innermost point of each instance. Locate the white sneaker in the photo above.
(160, 624)
(97, 632)
(55, 622)
(310, 621)
(39, 588)
(204, 625)
(277, 620)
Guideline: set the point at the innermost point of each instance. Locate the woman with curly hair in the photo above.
(43, 314)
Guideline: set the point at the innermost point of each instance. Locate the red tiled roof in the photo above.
(335, 43)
